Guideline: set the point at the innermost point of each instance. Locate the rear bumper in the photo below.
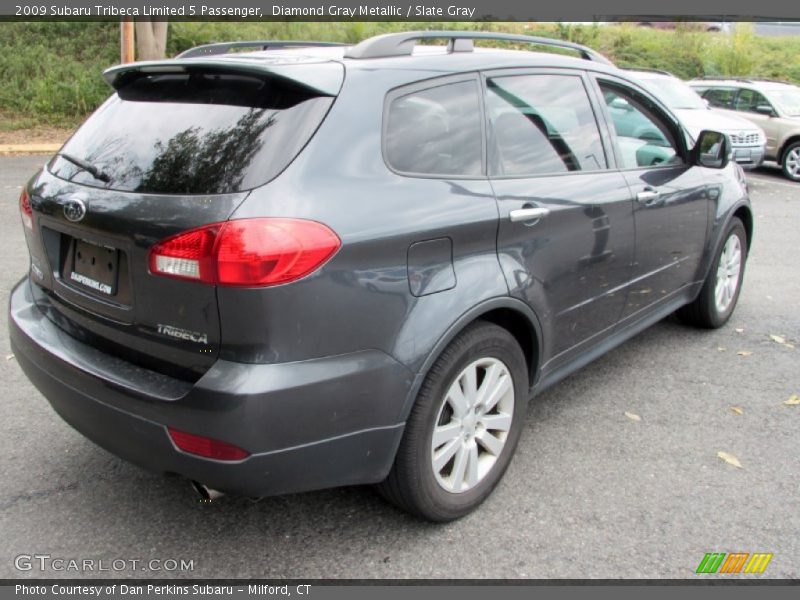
(308, 425)
(749, 157)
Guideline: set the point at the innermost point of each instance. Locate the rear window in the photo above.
(194, 133)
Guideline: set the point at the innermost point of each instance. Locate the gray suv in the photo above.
(304, 267)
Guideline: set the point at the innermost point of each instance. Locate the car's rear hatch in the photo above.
(178, 146)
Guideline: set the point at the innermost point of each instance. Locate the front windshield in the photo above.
(675, 94)
(788, 101)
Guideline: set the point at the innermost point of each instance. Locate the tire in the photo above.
(414, 483)
(706, 311)
(790, 165)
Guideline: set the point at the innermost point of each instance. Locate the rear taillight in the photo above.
(25, 209)
(207, 447)
(246, 252)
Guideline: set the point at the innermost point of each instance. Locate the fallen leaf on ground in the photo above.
(739, 330)
(737, 410)
(730, 459)
(744, 353)
(633, 417)
(793, 400)
(778, 339)
(722, 349)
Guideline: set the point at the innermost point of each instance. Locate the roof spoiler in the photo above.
(324, 78)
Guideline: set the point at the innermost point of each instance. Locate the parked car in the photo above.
(300, 268)
(709, 26)
(772, 105)
(747, 139)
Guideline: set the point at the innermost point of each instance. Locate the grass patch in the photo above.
(52, 71)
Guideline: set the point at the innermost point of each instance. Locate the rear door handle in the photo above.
(528, 214)
(647, 194)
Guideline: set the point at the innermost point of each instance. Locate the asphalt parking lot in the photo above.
(592, 493)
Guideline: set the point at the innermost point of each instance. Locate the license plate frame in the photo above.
(94, 267)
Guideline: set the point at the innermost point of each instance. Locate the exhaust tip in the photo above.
(206, 493)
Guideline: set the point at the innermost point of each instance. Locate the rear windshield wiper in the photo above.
(86, 166)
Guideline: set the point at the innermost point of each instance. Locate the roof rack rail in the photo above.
(225, 47)
(402, 44)
(722, 78)
(647, 70)
(742, 79)
(770, 80)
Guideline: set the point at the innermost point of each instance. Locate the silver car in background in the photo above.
(747, 139)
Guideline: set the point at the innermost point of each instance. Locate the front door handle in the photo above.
(647, 195)
(528, 214)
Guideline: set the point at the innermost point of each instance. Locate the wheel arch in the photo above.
(745, 215)
(513, 315)
(786, 143)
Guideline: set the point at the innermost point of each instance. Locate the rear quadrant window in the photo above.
(436, 131)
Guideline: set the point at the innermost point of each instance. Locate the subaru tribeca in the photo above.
(304, 267)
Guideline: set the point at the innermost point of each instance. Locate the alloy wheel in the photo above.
(730, 265)
(472, 425)
(792, 163)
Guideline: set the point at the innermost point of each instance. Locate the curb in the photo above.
(29, 148)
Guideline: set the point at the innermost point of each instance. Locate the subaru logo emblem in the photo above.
(74, 209)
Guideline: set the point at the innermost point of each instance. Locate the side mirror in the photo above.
(765, 109)
(712, 150)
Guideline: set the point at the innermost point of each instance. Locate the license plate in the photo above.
(95, 267)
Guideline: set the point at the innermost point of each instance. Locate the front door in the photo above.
(672, 198)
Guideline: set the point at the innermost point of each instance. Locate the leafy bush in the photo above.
(51, 72)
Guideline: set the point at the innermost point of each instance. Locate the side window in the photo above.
(750, 99)
(436, 131)
(644, 135)
(720, 97)
(542, 124)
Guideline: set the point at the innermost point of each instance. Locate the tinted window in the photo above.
(542, 124)
(436, 131)
(720, 97)
(195, 133)
(750, 99)
(644, 135)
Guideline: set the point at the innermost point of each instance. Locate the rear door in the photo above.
(672, 198)
(174, 149)
(566, 238)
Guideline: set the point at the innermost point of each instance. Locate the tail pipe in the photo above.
(206, 493)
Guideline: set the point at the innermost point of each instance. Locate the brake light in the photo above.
(25, 209)
(207, 447)
(246, 252)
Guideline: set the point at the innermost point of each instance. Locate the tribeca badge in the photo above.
(736, 562)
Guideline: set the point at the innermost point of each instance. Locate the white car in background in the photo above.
(748, 140)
